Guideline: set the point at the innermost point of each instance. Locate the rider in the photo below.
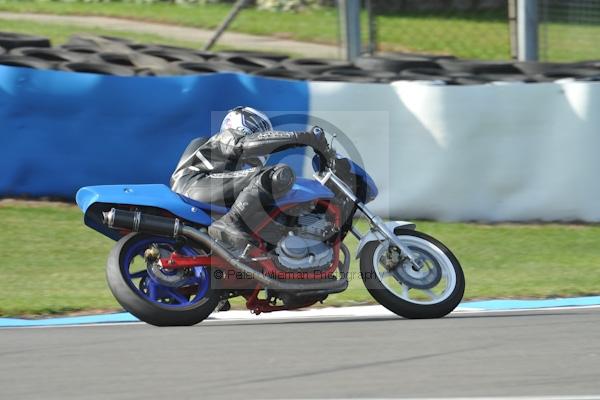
(228, 169)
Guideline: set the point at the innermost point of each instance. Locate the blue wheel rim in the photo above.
(158, 294)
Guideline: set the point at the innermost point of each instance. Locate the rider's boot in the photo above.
(233, 229)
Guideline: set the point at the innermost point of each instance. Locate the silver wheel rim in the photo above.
(428, 254)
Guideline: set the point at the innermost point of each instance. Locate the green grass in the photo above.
(52, 263)
(60, 33)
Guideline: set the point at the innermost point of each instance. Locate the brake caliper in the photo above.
(152, 254)
(392, 258)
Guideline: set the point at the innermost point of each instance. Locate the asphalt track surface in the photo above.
(552, 352)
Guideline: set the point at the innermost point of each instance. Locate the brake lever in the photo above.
(333, 136)
(331, 153)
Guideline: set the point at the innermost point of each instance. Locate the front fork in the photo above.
(377, 224)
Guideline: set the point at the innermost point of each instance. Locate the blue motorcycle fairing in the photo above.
(305, 190)
(372, 190)
(160, 196)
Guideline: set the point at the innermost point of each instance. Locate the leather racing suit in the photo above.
(228, 170)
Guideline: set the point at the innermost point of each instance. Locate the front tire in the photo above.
(186, 301)
(432, 292)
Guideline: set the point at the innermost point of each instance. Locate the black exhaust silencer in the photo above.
(137, 222)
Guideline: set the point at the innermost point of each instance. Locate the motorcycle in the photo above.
(167, 271)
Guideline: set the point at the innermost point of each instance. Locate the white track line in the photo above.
(564, 397)
(355, 312)
(329, 313)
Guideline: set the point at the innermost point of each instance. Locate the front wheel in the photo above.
(155, 295)
(432, 291)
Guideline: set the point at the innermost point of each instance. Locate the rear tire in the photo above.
(134, 300)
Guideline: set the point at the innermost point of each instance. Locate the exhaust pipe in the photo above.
(172, 227)
(203, 238)
(137, 222)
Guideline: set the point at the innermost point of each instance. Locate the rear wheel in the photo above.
(155, 295)
(432, 291)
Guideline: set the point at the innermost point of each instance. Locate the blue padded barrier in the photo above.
(61, 130)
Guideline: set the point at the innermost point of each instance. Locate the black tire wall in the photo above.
(123, 57)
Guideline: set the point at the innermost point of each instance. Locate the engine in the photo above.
(304, 248)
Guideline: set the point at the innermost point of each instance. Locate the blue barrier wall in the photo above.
(60, 131)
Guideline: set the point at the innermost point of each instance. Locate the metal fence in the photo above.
(569, 30)
(468, 29)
